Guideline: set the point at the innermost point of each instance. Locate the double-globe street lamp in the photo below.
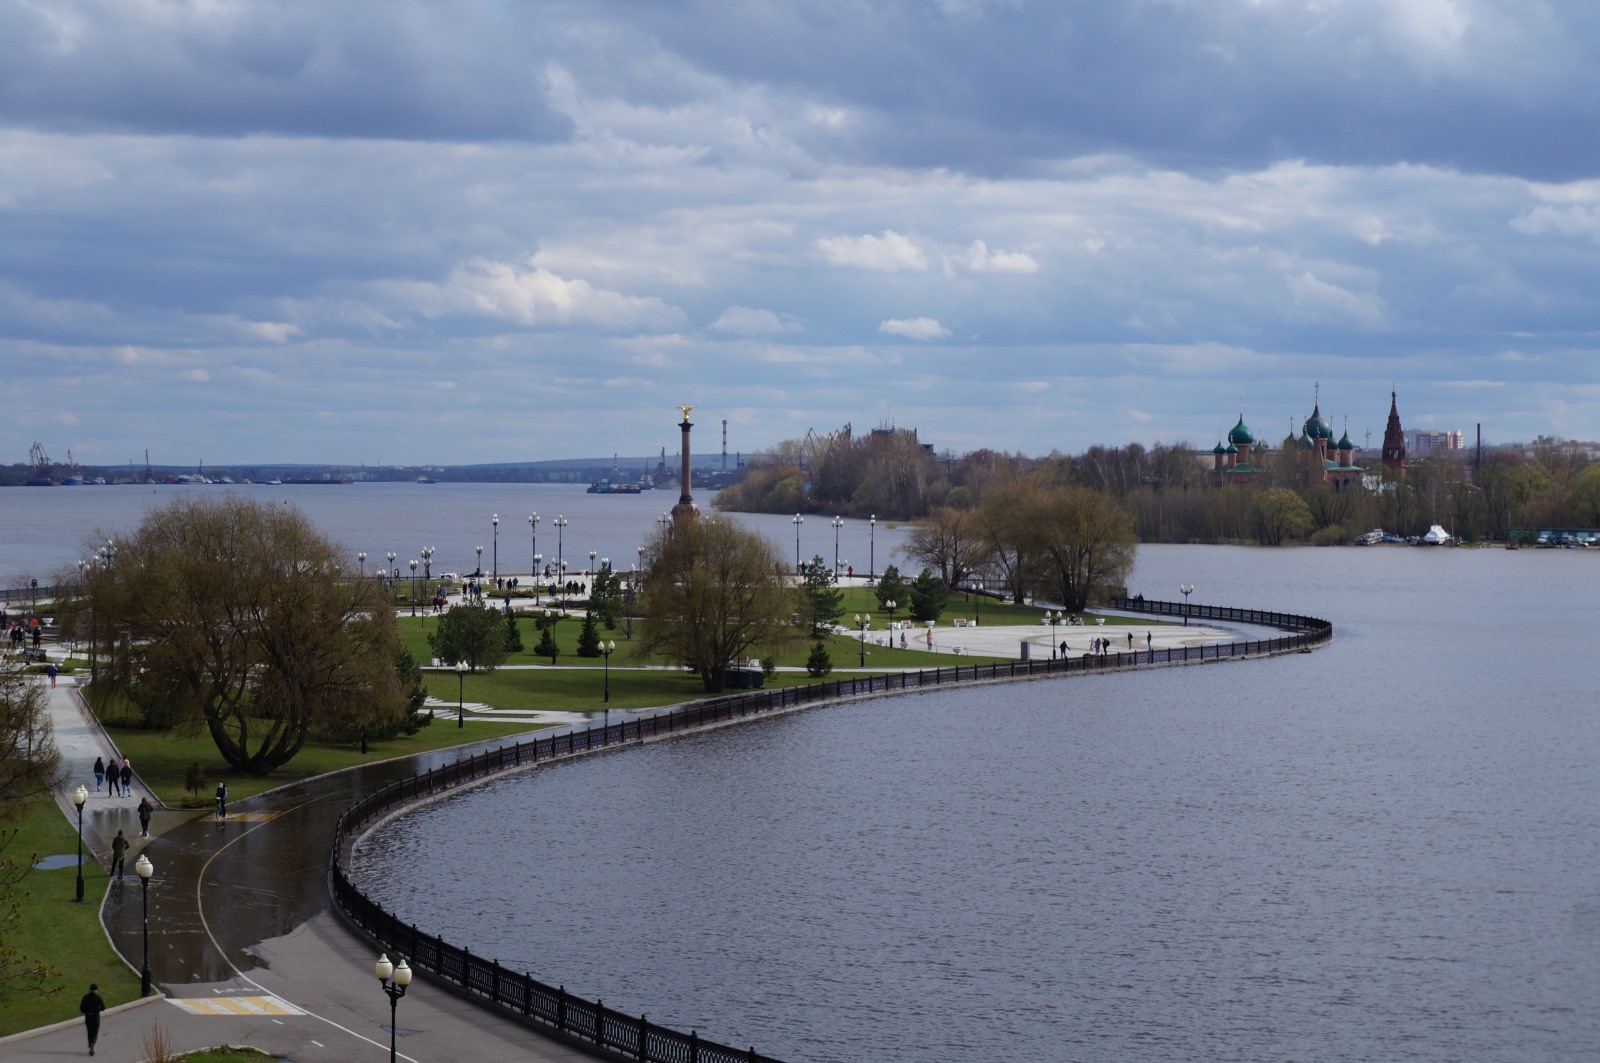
(533, 546)
(862, 620)
(837, 522)
(461, 685)
(427, 562)
(413, 586)
(1052, 618)
(606, 650)
(79, 796)
(494, 557)
(798, 520)
(361, 558)
(145, 869)
(387, 571)
(561, 523)
(1186, 589)
(394, 977)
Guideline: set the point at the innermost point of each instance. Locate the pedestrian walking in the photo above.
(1148, 644)
(99, 772)
(222, 800)
(145, 810)
(1130, 640)
(52, 672)
(127, 778)
(92, 1005)
(119, 849)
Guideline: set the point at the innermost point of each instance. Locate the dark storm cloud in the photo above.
(404, 71)
(1475, 86)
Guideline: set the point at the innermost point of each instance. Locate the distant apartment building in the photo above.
(1423, 443)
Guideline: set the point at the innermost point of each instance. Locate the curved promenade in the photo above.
(607, 1033)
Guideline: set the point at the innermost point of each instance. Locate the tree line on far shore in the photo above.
(1168, 492)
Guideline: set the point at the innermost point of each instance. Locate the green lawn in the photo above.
(54, 927)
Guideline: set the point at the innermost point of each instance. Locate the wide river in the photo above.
(1387, 849)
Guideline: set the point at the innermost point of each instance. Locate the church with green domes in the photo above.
(1240, 459)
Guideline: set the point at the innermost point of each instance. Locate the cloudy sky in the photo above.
(464, 230)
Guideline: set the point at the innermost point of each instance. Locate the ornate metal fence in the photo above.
(611, 1034)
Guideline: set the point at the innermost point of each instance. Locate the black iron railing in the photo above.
(612, 1034)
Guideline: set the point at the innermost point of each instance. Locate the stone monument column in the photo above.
(685, 509)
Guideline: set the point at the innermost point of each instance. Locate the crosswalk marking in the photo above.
(236, 1006)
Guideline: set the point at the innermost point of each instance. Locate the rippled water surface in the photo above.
(1383, 850)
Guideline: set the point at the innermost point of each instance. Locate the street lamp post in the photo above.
(977, 603)
(538, 580)
(561, 524)
(1186, 589)
(427, 563)
(79, 796)
(145, 869)
(413, 586)
(837, 522)
(362, 557)
(461, 686)
(394, 977)
(862, 620)
(33, 583)
(533, 545)
(591, 562)
(478, 568)
(633, 591)
(872, 548)
(606, 649)
(1053, 618)
(798, 520)
(663, 522)
(387, 571)
(494, 557)
(889, 606)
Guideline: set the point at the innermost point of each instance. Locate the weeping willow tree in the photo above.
(714, 592)
(238, 617)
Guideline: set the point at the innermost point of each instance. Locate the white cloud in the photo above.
(535, 298)
(916, 328)
(1319, 302)
(745, 321)
(889, 253)
(979, 259)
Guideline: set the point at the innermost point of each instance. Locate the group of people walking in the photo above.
(120, 776)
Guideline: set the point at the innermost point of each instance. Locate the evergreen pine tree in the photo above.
(819, 664)
(824, 601)
(928, 596)
(589, 637)
(547, 641)
(892, 588)
(513, 634)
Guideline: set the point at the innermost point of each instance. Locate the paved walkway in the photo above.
(240, 955)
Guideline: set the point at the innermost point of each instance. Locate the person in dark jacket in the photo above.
(92, 1005)
(145, 811)
(99, 772)
(127, 778)
(119, 849)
